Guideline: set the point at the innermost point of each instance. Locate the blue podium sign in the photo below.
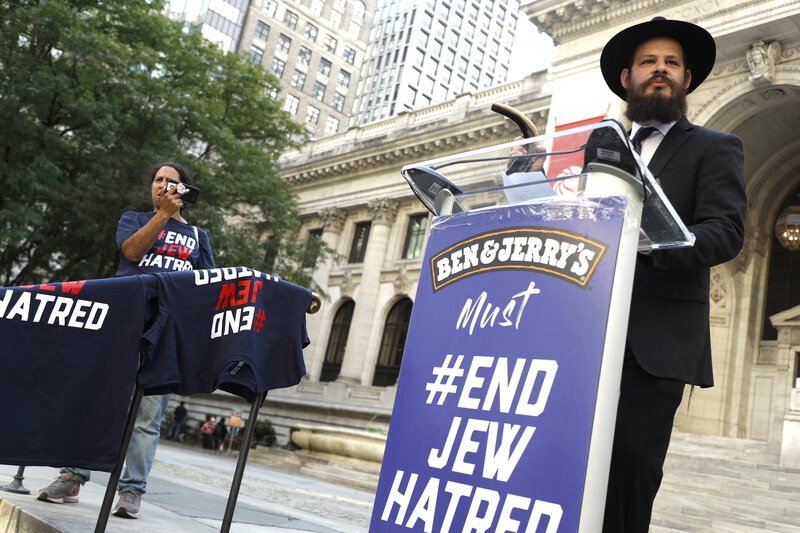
(494, 412)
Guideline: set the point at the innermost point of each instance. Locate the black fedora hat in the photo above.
(699, 50)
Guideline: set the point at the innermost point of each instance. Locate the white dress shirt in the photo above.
(651, 143)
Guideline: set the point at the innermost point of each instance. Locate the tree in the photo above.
(94, 92)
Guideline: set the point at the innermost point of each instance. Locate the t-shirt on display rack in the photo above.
(103, 344)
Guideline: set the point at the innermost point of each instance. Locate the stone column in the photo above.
(788, 325)
(332, 224)
(362, 326)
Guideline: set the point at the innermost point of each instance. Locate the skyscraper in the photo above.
(314, 47)
(219, 21)
(423, 52)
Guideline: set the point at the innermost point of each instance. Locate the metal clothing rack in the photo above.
(233, 495)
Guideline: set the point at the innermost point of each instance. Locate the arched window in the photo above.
(337, 342)
(359, 8)
(392, 344)
(783, 283)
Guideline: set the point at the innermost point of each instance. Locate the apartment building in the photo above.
(424, 52)
(314, 47)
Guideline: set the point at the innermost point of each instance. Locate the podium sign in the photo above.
(495, 407)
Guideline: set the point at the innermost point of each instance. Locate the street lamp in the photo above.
(787, 228)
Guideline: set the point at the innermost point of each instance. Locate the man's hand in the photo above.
(537, 163)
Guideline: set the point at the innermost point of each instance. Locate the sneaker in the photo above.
(64, 489)
(128, 504)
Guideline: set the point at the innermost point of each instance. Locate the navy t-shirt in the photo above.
(68, 359)
(176, 248)
(233, 329)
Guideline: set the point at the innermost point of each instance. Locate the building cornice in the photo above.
(565, 20)
(455, 126)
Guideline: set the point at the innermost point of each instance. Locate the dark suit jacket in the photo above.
(702, 174)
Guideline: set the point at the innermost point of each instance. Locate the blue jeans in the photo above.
(80, 471)
(144, 440)
(142, 448)
(174, 430)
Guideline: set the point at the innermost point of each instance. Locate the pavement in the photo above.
(711, 485)
(187, 491)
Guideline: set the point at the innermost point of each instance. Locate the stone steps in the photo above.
(715, 484)
(333, 469)
(711, 484)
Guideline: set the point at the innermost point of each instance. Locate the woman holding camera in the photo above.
(160, 240)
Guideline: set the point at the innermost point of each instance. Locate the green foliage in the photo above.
(92, 93)
(264, 433)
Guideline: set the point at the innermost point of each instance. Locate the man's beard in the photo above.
(656, 106)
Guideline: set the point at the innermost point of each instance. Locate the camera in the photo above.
(189, 197)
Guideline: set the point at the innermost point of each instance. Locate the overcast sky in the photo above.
(532, 50)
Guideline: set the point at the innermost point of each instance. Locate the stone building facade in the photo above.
(351, 180)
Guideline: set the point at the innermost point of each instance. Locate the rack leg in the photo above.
(111, 488)
(240, 464)
(16, 485)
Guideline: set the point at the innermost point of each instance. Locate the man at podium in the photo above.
(653, 66)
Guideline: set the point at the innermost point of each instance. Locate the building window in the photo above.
(411, 95)
(337, 341)
(338, 102)
(415, 236)
(349, 55)
(393, 343)
(284, 43)
(427, 20)
(783, 281)
(474, 73)
(304, 56)
(312, 115)
(441, 28)
(359, 246)
(445, 74)
(256, 55)
(343, 78)
(330, 44)
(312, 246)
(269, 7)
(262, 31)
(431, 66)
(316, 7)
(291, 104)
(324, 67)
(277, 67)
(331, 125)
(298, 80)
(353, 29)
(419, 57)
(336, 19)
(359, 9)
(290, 19)
(318, 91)
(311, 32)
(426, 85)
(436, 47)
(422, 40)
